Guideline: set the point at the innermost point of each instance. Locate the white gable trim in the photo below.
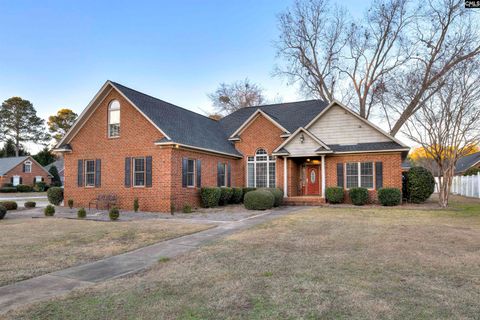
(171, 143)
(301, 129)
(335, 102)
(89, 110)
(253, 117)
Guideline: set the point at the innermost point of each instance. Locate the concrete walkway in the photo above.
(63, 281)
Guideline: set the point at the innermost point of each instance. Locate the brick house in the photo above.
(136, 146)
(22, 170)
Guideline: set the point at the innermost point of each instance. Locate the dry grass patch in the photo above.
(322, 263)
(32, 247)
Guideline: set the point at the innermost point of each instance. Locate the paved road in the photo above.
(63, 281)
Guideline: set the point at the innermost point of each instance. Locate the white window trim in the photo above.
(360, 175)
(29, 164)
(224, 164)
(268, 162)
(108, 119)
(144, 173)
(194, 180)
(13, 181)
(85, 174)
(38, 179)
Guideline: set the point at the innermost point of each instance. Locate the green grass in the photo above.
(321, 263)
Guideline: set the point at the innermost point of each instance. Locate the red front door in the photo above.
(313, 180)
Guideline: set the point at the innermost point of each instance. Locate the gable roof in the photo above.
(290, 116)
(322, 146)
(465, 163)
(7, 164)
(59, 164)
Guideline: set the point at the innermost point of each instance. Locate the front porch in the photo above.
(304, 180)
(304, 201)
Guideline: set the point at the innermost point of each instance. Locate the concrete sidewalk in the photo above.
(63, 281)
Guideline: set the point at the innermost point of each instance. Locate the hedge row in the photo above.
(359, 196)
(9, 188)
(214, 196)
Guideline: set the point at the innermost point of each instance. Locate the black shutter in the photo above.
(340, 175)
(98, 173)
(21, 180)
(23, 167)
(199, 173)
(128, 175)
(184, 171)
(378, 175)
(11, 179)
(229, 177)
(148, 171)
(219, 173)
(80, 173)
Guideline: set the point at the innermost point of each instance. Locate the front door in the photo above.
(313, 180)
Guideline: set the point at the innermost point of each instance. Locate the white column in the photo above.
(285, 193)
(478, 184)
(323, 176)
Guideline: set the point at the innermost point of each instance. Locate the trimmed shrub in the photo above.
(237, 196)
(277, 195)
(259, 200)
(30, 204)
(114, 214)
(389, 196)
(210, 196)
(225, 195)
(7, 184)
(8, 190)
(135, 205)
(55, 195)
(49, 210)
(187, 208)
(3, 212)
(9, 205)
(420, 184)
(245, 190)
(359, 196)
(40, 186)
(24, 188)
(70, 203)
(81, 213)
(335, 194)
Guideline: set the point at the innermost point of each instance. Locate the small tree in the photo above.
(56, 181)
(44, 157)
(8, 150)
(232, 97)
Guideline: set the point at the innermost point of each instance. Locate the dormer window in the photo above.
(27, 166)
(114, 119)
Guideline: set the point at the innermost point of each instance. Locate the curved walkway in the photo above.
(63, 281)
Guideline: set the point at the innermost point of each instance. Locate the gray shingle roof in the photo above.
(466, 162)
(59, 164)
(181, 125)
(291, 115)
(7, 164)
(370, 146)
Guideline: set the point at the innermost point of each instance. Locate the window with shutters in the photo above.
(89, 173)
(261, 170)
(190, 173)
(27, 166)
(139, 172)
(114, 119)
(222, 176)
(359, 174)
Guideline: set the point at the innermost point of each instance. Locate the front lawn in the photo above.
(321, 263)
(32, 247)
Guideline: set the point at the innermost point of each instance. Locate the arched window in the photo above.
(27, 166)
(114, 119)
(261, 170)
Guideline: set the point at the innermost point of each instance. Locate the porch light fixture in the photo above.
(302, 138)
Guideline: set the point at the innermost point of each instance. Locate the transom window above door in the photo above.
(261, 170)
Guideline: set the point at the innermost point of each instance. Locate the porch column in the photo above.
(323, 176)
(285, 193)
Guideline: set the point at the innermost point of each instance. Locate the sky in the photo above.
(57, 54)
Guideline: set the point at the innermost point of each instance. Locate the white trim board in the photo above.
(250, 119)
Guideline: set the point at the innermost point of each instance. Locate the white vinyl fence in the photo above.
(468, 186)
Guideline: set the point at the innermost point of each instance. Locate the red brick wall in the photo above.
(27, 178)
(137, 137)
(261, 133)
(188, 195)
(392, 169)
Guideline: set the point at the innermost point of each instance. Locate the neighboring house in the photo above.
(22, 170)
(136, 146)
(467, 162)
(60, 165)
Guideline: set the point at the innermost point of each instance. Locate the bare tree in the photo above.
(447, 125)
(312, 37)
(443, 36)
(231, 97)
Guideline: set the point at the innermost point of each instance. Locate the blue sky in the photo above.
(58, 53)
